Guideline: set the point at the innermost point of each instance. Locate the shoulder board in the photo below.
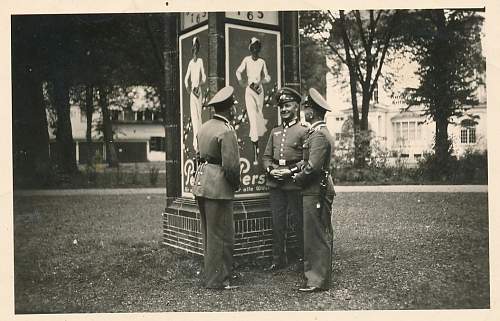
(229, 126)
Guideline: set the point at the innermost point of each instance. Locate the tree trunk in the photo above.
(89, 110)
(30, 130)
(442, 143)
(66, 155)
(30, 138)
(364, 135)
(107, 128)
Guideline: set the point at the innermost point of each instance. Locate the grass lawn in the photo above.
(391, 251)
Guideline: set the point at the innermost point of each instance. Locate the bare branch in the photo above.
(332, 47)
(361, 30)
(386, 42)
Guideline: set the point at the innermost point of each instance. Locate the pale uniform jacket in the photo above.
(217, 141)
(285, 144)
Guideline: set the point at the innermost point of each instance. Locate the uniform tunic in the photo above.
(216, 180)
(284, 147)
(256, 71)
(317, 206)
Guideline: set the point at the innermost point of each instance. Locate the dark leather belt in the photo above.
(211, 160)
(285, 162)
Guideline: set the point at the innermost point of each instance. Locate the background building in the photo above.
(139, 134)
(403, 132)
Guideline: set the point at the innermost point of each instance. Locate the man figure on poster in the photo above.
(196, 73)
(317, 195)
(216, 179)
(256, 75)
(283, 152)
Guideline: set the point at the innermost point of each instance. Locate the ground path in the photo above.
(339, 189)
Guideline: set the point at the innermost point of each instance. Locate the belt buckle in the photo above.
(282, 162)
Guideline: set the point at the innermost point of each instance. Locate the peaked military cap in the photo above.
(223, 98)
(315, 100)
(286, 94)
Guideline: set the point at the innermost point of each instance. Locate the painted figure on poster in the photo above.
(256, 75)
(196, 73)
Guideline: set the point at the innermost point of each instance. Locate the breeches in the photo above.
(286, 205)
(217, 227)
(318, 240)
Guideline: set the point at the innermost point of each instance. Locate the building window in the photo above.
(338, 136)
(407, 131)
(157, 144)
(375, 94)
(468, 132)
(116, 115)
(468, 135)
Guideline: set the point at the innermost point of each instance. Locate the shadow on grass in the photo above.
(83, 254)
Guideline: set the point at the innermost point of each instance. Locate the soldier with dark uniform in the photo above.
(317, 195)
(217, 178)
(284, 151)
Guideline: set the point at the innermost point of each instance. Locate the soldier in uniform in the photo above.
(283, 152)
(217, 178)
(317, 195)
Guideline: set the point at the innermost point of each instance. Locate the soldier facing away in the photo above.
(216, 179)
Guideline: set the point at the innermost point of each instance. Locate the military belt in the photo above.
(283, 162)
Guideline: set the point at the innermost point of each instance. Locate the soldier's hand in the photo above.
(275, 173)
(286, 172)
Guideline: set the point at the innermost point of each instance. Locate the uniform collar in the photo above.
(220, 117)
(318, 124)
(290, 123)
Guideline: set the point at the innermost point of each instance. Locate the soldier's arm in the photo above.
(318, 152)
(267, 158)
(296, 168)
(230, 158)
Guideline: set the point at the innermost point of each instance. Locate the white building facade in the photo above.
(405, 133)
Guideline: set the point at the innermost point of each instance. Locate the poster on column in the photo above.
(253, 69)
(193, 57)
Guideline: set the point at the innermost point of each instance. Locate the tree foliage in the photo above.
(447, 46)
(313, 67)
(360, 41)
(73, 50)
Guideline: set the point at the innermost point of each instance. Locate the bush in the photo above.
(135, 175)
(469, 168)
(472, 168)
(153, 175)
